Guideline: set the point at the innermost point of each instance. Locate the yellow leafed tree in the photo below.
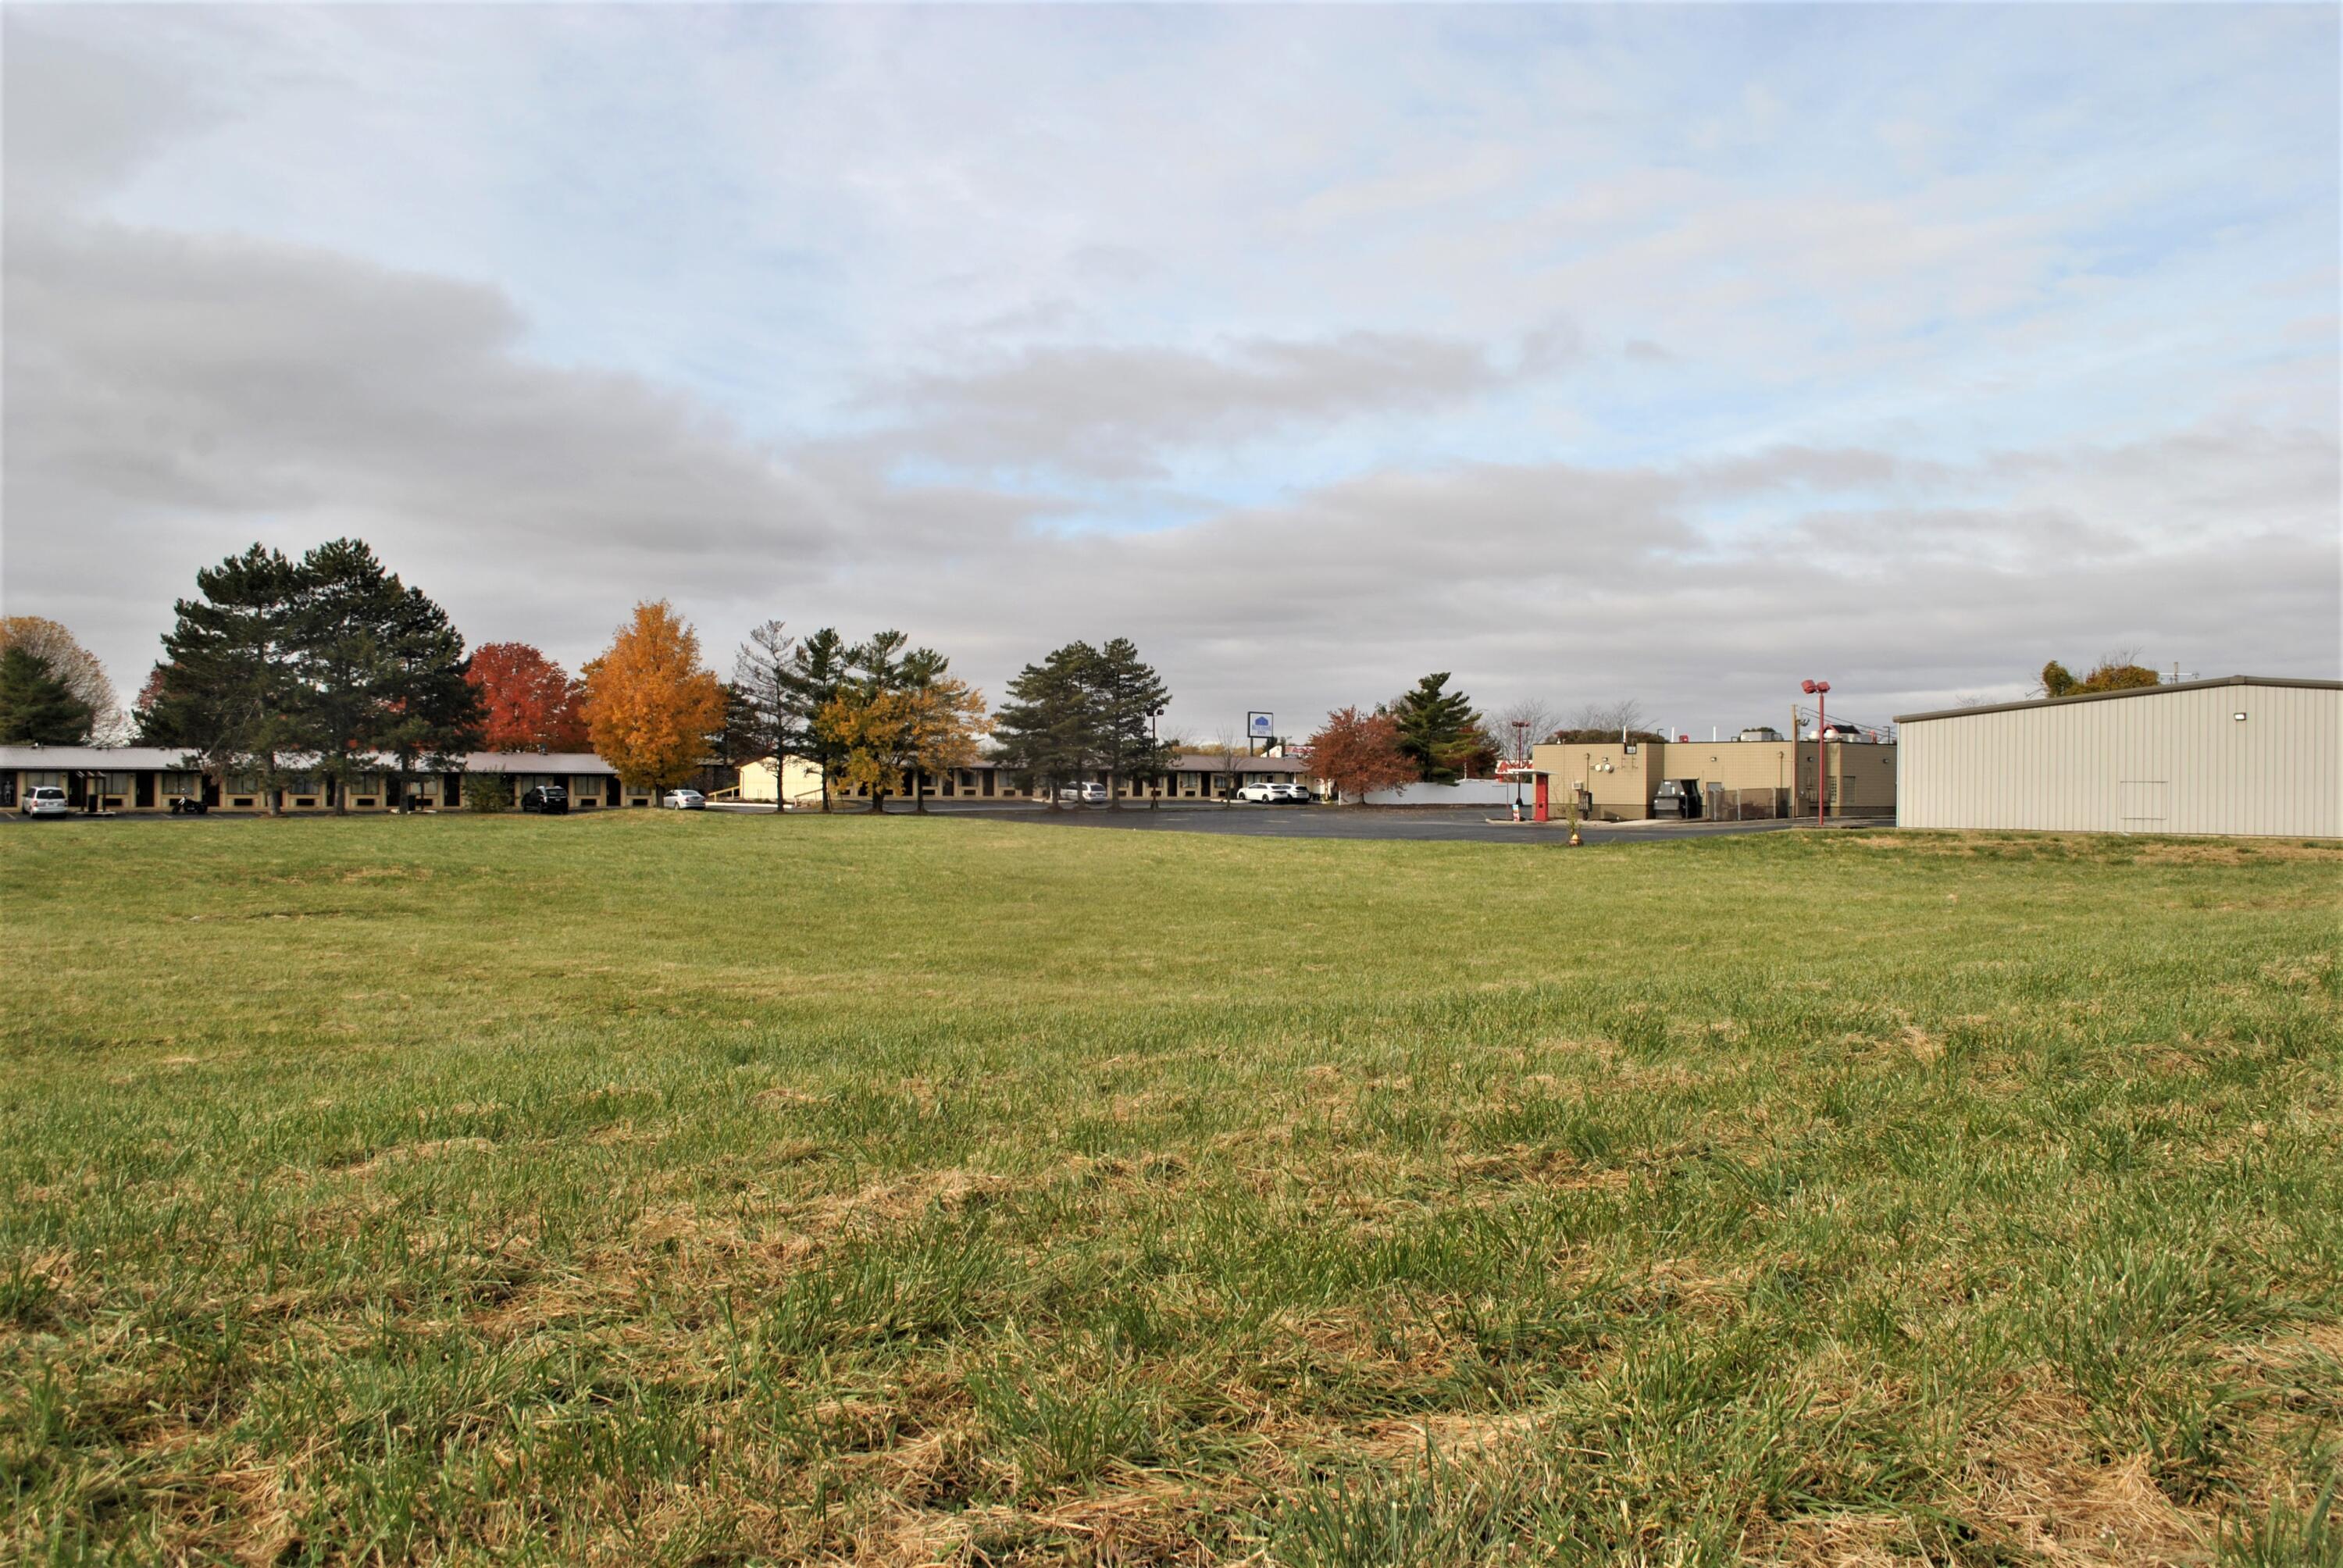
(922, 729)
(649, 705)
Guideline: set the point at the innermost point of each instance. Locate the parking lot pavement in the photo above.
(1466, 825)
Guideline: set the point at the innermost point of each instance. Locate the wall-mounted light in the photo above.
(2239, 716)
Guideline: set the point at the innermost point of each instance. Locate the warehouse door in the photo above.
(2143, 805)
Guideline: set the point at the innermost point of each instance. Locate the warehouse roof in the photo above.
(2127, 691)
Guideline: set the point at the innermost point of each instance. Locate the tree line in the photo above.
(330, 665)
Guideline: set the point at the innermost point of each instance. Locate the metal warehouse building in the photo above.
(2244, 755)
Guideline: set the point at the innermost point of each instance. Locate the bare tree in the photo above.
(1224, 741)
(1525, 724)
(1626, 713)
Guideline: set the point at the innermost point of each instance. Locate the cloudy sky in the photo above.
(1673, 354)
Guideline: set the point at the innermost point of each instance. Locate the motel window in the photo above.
(36, 778)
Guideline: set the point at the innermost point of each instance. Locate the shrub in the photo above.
(488, 792)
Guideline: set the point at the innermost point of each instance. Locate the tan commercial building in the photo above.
(2243, 755)
(1732, 779)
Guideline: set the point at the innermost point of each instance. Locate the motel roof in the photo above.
(94, 759)
(537, 762)
(173, 759)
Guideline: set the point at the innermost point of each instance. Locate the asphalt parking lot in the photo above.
(1465, 824)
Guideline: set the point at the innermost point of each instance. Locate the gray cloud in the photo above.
(1115, 410)
(171, 396)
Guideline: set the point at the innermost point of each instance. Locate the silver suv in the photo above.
(45, 801)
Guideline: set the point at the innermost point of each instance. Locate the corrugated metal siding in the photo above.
(2165, 762)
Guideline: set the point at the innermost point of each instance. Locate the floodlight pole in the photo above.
(1520, 740)
(1820, 691)
(1155, 738)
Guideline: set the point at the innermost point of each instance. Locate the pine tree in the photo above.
(37, 707)
(72, 663)
(1438, 728)
(345, 634)
(226, 690)
(1125, 695)
(816, 676)
(761, 710)
(1047, 732)
(431, 713)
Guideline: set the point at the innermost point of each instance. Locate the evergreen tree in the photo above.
(37, 707)
(1124, 695)
(761, 716)
(346, 659)
(432, 712)
(1047, 731)
(877, 672)
(816, 675)
(225, 691)
(1438, 728)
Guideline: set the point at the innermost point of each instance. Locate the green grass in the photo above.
(666, 1189)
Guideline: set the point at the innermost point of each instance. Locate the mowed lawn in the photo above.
(682, 1189)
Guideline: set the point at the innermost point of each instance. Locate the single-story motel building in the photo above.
(2242, 755)
(141, 779)
(1193, 776)
(148, 777)
(1617, 781)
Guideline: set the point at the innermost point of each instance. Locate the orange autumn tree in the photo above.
(649, 705)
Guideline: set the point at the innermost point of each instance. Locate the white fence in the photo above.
(1464, 793)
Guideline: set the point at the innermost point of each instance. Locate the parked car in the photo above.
(684, 800)
(550, 798)
(45, 801)
(1082, 794)
(1274, 794)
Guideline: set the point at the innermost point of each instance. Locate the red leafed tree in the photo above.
(1356, 752)
(530, 701)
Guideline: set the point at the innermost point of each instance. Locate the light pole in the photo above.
(1820, 691)
(1521, 756)
(1155, 741)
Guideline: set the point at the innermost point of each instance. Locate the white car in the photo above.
(1274, 794)
(45, 801)
(1082, 794)
(684, 800)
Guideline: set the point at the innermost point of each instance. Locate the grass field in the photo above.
(666, 1189)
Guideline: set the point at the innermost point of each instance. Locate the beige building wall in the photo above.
(2174, 760)
(1755, 773)
(799, 778)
